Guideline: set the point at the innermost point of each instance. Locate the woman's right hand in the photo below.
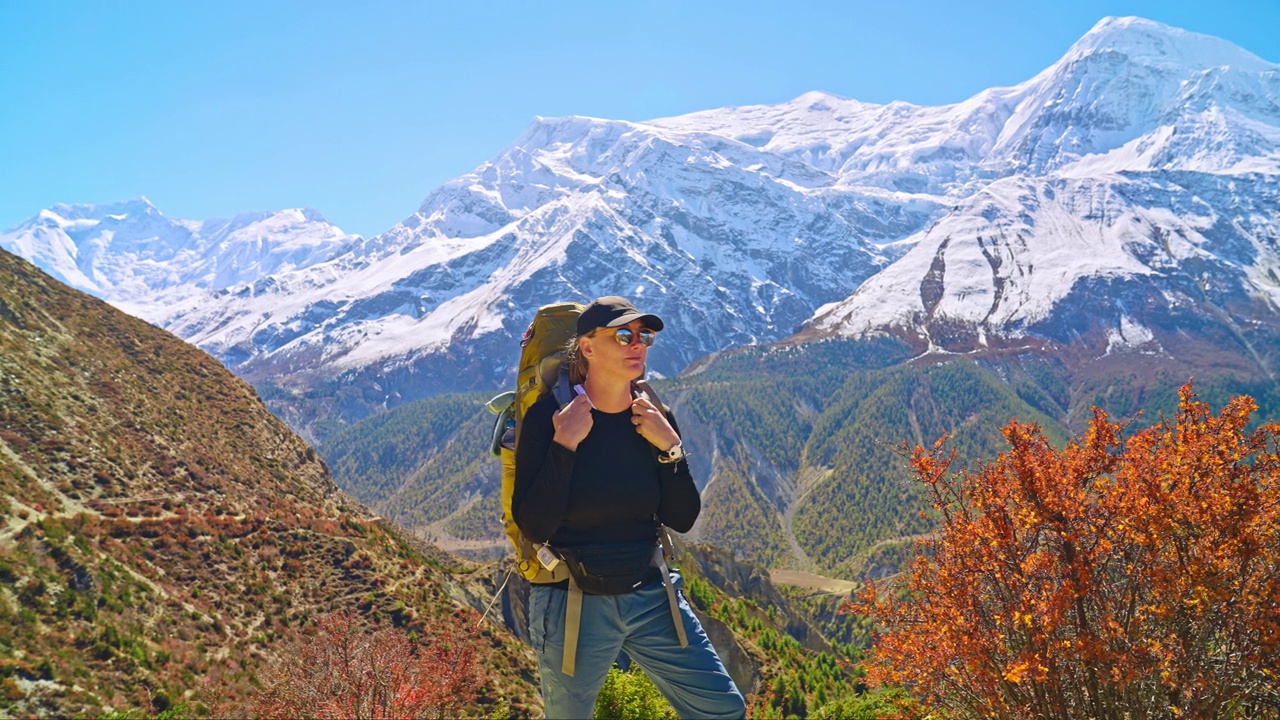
(573, 422)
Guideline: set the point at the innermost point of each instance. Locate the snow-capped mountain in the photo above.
(1124, 261)
(1140, 203)
(1126, 194)
(1131, 95)
(132, 255)
(731, 244)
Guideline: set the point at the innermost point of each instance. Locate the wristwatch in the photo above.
(673, 454)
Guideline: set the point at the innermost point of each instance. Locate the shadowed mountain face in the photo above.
(161, 531)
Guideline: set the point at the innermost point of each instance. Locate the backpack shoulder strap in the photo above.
(643, 386)
(561, 389)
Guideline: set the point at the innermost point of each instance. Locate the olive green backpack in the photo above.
(541, 371)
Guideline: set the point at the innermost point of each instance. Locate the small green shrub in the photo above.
(632, 695)
(699, 591)
(892, 703)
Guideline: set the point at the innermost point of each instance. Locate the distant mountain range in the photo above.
(1122, 200)
(132, 255)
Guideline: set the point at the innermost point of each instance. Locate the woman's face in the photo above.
(605, 354)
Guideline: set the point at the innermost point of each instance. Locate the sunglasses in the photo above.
(625, 336)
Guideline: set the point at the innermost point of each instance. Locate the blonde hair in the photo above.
(576, 361)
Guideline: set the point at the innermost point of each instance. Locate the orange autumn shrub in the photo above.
(1115, 578)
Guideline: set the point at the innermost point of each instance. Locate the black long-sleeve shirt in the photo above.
(607, 491)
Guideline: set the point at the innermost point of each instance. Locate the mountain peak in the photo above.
(128, 252)
(569, 125)
(819, 100)
(291, 215)
(99, 211)
(1152, 43)
(749, 219)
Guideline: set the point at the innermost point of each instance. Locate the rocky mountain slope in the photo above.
(162, 534)
(1177, 264)
(733, 245)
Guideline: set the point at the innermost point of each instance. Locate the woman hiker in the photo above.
(594, 482)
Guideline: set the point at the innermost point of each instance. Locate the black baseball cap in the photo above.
(613, 311)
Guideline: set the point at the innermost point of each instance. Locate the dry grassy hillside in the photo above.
(161, 533)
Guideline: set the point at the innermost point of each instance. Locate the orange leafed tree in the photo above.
(1132, 577)
(346, 671)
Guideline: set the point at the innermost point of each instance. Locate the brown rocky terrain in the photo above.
(163, 536)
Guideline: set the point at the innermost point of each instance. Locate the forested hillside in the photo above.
(427, 465)
(808, 470)
(797, 448)
(860, 494)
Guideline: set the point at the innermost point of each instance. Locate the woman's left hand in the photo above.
(652, 424)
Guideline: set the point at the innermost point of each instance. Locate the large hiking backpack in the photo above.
(541, 370)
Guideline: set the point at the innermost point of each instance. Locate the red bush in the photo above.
(345, 671)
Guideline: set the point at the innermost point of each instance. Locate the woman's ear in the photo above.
(584, 347)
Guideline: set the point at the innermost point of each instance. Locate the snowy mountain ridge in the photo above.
(577, 208)
(1009, 258)
(132, 255)
(1129, 77)
(1124, 197)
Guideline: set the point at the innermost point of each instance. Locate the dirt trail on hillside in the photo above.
(812, 582)
(806, 480)
(15, 524)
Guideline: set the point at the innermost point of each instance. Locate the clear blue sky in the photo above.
(360, 109)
